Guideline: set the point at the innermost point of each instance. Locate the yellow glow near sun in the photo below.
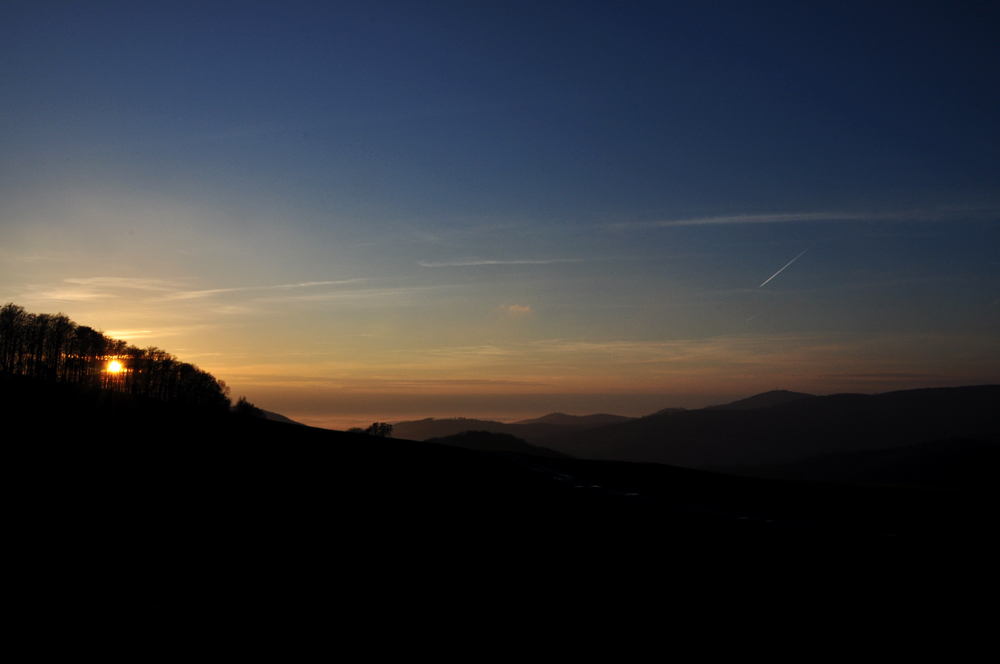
(114, 367)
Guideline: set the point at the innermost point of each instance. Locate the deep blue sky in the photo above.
(393, 203)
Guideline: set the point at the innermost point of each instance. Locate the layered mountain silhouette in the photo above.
(780, 434)
(780, 427)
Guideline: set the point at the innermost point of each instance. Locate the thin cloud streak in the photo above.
(124, 282)
(941, 214)
(185, 295)
(745, 219)
(34, 258)
(65, 295)
(364, 295)
(88, 289)
(475, 262)
(789, 263)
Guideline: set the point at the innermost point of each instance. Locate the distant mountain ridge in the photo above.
(439, 428)
(562, 419)
(750, 432)
(770, 429)
(535, 429)
(764, 400)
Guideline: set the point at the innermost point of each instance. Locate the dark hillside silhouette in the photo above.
(54, 348)
(963, 464)
(147, 525)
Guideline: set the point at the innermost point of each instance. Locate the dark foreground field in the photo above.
(148, 530)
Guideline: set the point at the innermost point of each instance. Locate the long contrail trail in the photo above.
(789, 263)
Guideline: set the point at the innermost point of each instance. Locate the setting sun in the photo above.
(114, 367)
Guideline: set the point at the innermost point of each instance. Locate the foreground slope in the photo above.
(964, 464)
(143, 523)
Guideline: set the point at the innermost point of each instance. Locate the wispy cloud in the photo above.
(186, 295)
(934, 214)
(471, 262)
(518, 310)
(190, 295)
(741, 219)
(67, 294)
(88, 289)
(403, 295)
(124, 282)
(33, 258)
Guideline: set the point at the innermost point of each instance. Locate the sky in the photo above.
(387, 211)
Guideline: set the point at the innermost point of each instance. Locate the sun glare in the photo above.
(114, 367)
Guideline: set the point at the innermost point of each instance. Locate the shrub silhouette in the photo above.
(244, 407)
(380, 429)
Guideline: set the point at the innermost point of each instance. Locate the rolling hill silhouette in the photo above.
(141, 524)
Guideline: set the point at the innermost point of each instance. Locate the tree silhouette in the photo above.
(380, 429)
(54, 348)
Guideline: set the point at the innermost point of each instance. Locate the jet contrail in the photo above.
(789, 263)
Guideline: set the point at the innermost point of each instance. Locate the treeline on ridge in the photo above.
(54, 348)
